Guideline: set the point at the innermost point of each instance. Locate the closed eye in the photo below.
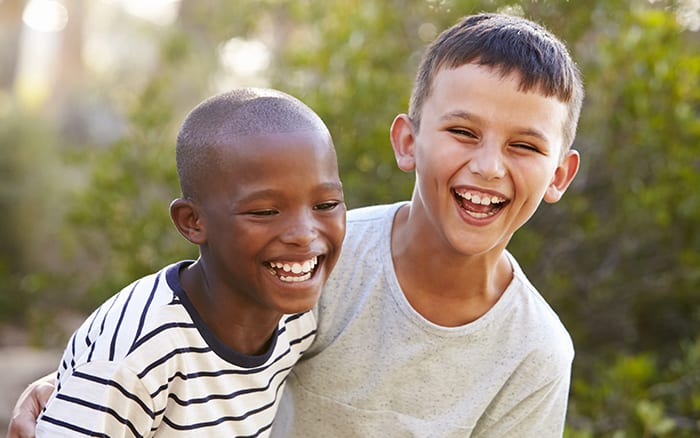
(462, 132)
(327, 205)
(263, 212)
(526, 146)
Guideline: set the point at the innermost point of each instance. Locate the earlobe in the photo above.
(403, 142)
(563, 176)
(185, 215)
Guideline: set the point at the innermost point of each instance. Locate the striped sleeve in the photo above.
(112, 329)
(99, 399)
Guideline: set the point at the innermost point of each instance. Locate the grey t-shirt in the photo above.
(379, 369)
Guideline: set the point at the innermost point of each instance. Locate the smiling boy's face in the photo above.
(486, 154)
(275, 218)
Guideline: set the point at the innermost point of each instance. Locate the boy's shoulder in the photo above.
(374, 212)
(543, 323)
(369, 226)
(113, 328)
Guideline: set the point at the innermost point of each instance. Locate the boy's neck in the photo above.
(445, 289)
(239, 326)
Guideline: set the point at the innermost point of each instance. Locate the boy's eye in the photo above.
(263, 212)
(462, 132)
(326, 205)
(526, 146)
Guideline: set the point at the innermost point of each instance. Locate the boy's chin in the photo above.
(299, 303)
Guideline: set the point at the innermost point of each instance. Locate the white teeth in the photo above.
(293, 279)
(481, 199)
(304, 267)
(479, 215)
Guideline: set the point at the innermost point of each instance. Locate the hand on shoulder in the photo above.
(29, 406)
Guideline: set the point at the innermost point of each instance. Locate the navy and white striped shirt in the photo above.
(144, 364)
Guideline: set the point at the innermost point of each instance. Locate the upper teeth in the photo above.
(482, 199)
(296, 267)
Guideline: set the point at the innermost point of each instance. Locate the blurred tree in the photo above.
(28, 166)
(633, 396)
(10, 25)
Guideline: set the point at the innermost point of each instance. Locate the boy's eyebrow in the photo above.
(464, 115)
(332, 185)
(458, 114)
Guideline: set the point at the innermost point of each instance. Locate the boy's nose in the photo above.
(300, 229)
(487, 161)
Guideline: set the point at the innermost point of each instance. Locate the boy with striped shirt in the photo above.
(204, 347)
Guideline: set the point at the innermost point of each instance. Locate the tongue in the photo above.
(476, 208)
(282, 272)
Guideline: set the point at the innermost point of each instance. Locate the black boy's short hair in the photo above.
(226, 118)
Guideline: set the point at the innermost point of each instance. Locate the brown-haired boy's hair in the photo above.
(510, 45)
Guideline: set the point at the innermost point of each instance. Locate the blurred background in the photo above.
(92, 94)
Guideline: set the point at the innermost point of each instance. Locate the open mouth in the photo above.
(293, 272)
(479, 205)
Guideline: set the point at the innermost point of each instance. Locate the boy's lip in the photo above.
(479, 205)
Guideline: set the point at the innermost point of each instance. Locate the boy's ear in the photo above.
(403, 142)
(563, 175)
(187, 219)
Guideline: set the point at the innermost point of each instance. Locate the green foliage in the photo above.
(635, 396)
(26, 195)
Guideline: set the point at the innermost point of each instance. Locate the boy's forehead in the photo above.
(478, 93)
(260, 159)
(473, 74)
(493, 71)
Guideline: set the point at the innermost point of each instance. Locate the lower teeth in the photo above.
(479, 215)
(295, 279)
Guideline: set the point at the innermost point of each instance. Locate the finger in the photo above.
(22, 425)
